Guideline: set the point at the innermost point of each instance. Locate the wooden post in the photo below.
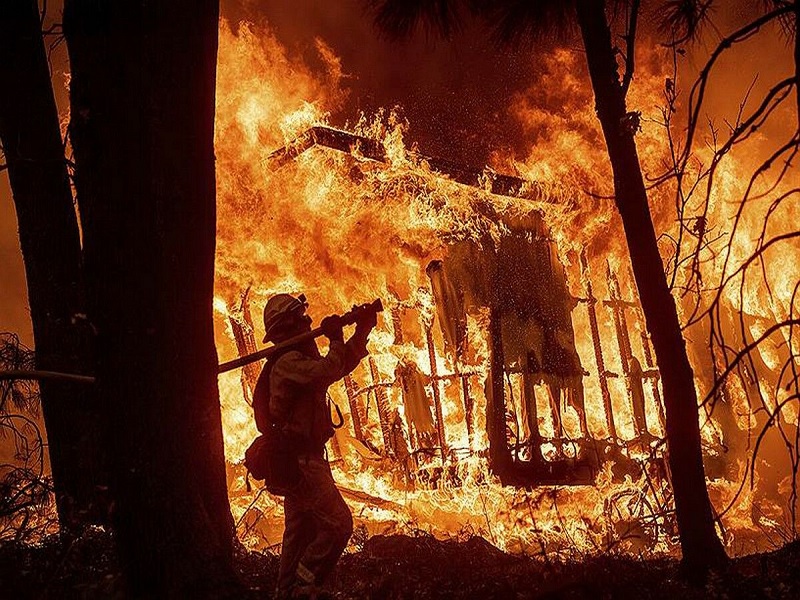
(529, 391)
(468, 406)
(241, 323)
(653, 378)
(602, 374)
(383, 408)
(437, 400)
(633, 381)
(355, 411)
(499, 455)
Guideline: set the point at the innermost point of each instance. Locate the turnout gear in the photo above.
(318, 525)
(291, 394)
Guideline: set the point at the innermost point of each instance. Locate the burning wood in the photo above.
(359, 145)
(513, 349)
(242, 328)
(417, 406)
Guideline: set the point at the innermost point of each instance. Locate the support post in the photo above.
(383, 408)
(437, 400)
(602, 375)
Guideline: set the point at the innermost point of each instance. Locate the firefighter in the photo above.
(292, 392)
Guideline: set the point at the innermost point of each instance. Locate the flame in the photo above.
(343, 228)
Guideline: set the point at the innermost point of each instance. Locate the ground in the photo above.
(401, 567)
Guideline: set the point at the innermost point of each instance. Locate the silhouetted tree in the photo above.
(796, 33)
(142, 129)
(790, 20)
(515, 20)
(48, 230)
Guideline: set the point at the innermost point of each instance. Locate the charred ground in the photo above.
(399, 567)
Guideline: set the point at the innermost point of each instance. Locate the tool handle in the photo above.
(347, 318)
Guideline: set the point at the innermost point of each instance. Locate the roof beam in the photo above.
(351, 143)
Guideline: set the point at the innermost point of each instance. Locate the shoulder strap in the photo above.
(338, 412)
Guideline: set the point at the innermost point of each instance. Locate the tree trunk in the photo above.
(142, 105)
(797, 58)
(48, 230)
(699, 543)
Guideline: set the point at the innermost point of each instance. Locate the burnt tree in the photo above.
(699, 542)
(142, 129)
(48, 230)
(514, 20)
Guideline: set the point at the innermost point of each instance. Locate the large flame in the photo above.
(343, 229)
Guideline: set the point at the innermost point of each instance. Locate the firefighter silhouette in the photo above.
(292, 392)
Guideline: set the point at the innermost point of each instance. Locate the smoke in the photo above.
(460, 95)
(454, 93)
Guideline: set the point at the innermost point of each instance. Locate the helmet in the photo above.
(277, 309)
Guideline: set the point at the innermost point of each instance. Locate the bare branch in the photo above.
(745, 351)
(697, 94)
(48, 375)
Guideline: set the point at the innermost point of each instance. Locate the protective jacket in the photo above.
(292, 391)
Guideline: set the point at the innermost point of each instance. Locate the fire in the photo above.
(459, 269)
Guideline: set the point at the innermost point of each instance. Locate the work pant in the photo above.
(317, 527)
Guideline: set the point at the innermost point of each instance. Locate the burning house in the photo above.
(514, 292)
(492, 359)
(511, 389)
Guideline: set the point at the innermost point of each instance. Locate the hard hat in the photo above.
(278, 308)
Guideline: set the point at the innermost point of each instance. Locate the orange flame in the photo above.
(344, 229)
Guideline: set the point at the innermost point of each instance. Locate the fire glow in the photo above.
(543, 280)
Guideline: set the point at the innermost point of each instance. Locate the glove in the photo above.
(366, 319)
(332, 328)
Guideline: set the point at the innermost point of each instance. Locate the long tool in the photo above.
(347, 318)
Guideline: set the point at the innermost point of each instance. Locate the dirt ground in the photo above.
(401, 567)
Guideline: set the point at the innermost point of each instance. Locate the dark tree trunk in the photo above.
(142, 105)
(797, 58)
(48, 230)
(699, 543)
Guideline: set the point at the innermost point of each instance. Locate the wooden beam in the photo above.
(351, 143)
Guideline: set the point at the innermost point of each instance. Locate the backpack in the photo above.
(273, 455)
